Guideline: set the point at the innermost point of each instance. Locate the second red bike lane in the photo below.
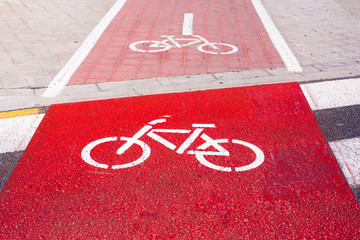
(155, 38)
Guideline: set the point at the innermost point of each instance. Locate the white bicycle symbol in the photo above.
(172, 42)
(199, 153)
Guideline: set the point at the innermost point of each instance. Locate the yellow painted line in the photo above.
(21, 112)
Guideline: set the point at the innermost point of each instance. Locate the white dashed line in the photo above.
(188, 24)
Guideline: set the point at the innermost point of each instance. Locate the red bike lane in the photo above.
(277, 177)
(239, 39)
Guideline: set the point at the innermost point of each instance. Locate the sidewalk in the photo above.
(34, 51)
(39, 37)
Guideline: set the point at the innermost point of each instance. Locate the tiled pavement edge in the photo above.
(26, 98)
(38, 37)
(324, 32)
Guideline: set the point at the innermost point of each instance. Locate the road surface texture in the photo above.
(65, 52)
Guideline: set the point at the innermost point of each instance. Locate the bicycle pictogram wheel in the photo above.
(259, 159)
(222, 48)
(86, 153)
(149, 46)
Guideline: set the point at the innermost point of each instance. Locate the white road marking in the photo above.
(86, 153)
(189, 141)
(308, 97)
(347, 153)
(161, 46)
(287, 56)
(16, 132)
(163, 141)
(336, 94)
(203, 125)
(161, 120)
(188, 24)
(133, 139)
(63, 77)
(332, 94)
(260, 157)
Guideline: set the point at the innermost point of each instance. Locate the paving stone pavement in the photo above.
(39, 37)
(321, 31)
(353, 7)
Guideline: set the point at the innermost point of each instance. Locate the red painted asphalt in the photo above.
(231, 22)
(297, 191)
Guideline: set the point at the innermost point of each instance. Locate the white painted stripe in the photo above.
(16, 132)
(163, 141)
(189, 141)
(308, 97)
(332, 94)
(287, 56)
(63, 77)
(162, 120)
(203, 125)
(188, 24)
(347, 153)
(335, 94)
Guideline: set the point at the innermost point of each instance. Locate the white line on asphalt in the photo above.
(347, 153)
(16, 132)
(332, 94)
(203, 125)
(287, 56)
(63, 77)
(308, 97)
(336, 94)
(188, 24)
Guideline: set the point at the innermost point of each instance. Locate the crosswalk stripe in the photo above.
(16, 132)
(332, 94)
(336, 105)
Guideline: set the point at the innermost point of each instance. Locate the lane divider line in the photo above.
(63, 77)
(188, 24)
(281, 46)
(22, 112)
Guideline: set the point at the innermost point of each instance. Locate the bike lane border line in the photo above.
(65, 74)
(18, 128)
(63, 77)
(280, 44)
